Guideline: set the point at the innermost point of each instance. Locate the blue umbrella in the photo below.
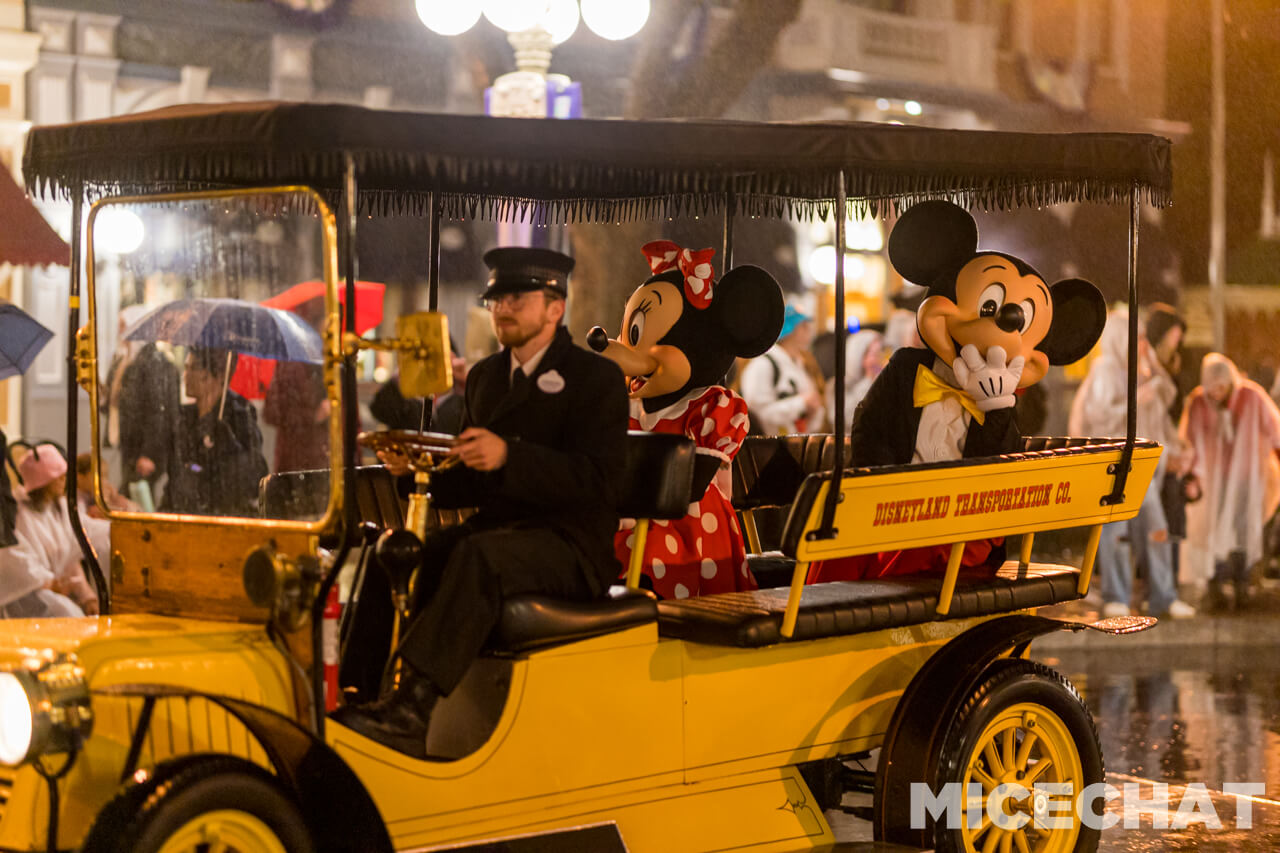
(231, 324)
(21, 339)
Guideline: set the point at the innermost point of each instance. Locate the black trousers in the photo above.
(466, 575)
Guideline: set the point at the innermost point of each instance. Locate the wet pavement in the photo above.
(1194, 706)
(1198, 718)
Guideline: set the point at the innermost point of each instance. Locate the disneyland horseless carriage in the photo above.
(190, 715)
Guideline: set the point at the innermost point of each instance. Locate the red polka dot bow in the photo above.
(664, 255)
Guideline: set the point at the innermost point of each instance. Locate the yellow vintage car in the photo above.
(190, 716)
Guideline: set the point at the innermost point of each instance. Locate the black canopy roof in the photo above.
(585, 169)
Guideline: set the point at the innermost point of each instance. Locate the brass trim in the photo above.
(333, 348)
(636, 563)
(949, 579)
(1090, 554)
(792, 613)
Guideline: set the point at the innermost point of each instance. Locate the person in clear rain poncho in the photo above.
(1232, 428)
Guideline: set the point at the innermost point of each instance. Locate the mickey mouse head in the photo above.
(988, 310)
(682, 329)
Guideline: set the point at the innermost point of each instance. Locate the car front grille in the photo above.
(7, 775)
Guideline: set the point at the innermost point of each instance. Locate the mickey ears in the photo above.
(930, 239)
(1079, 313)
(750, 307)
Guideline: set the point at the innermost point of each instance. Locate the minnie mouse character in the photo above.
(681, 331)
(990, 325)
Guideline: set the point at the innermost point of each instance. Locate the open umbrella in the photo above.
(253, 376)
(21, 339)
(231, 324)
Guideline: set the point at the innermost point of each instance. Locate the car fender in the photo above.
(930, 702)
(337, 807)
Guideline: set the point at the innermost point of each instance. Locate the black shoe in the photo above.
(1242, 594)
(1216, 600)
(398, 720)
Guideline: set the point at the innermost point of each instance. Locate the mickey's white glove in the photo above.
(992, 382)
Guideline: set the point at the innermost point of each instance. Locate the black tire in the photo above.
(1061, 722)
(145, 815)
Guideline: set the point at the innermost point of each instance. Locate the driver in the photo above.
(541, 452)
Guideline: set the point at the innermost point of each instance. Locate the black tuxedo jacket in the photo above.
(887, 420)
(565, 429)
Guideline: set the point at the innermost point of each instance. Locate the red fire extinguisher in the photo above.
(329, 640)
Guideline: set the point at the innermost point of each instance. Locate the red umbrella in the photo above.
(253, 375)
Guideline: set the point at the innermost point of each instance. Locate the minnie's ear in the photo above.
(1079, 313)
(749, 308)
(932, 238)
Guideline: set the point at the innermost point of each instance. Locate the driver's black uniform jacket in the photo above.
(546, 518)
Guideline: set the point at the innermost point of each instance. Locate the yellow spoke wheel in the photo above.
(1024, 733)
(223, 831)
(201, 804)
(1024, 747)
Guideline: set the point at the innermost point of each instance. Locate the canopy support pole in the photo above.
(827, 530)
(433, 259)
(1131, 413)
(73, 406)
(433, 288)
(727, 254)
(350, 424)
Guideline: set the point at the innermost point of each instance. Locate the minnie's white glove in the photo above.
(991, 382)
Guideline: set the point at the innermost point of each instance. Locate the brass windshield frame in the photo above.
(88, 366)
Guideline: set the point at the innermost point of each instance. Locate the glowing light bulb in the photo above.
(615, 19)
(448, 17)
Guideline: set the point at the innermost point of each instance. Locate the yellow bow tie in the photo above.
(930, 388)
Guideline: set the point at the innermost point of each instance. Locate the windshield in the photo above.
(210, 321)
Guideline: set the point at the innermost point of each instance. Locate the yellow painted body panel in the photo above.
(224, 658)
(938, 506)
(685, 746)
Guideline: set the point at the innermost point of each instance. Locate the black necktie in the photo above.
(519, 379)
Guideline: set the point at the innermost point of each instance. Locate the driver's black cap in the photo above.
(517, 270)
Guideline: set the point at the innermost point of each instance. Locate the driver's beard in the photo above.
(513, 336)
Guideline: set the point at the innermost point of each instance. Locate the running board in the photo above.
(1112, 624)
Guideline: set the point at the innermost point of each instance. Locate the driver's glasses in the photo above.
(510, 301)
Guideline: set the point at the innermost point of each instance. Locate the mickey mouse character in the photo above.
(990, 325)
(681, 332)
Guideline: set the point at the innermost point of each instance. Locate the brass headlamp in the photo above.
(44, 709)
(280, 583)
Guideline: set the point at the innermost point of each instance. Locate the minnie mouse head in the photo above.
(682, 329)
(990, 299)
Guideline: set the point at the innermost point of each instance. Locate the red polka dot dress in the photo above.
(702, 553)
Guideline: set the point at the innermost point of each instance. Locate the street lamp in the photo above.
(609, 19)
(449, 18)
(615, 19)
(865, 271)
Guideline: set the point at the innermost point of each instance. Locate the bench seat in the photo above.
(754, 619)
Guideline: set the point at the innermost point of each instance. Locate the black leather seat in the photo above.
(656, 482)
(532, 622)
(752, 619)
(767, 473)
(768, 470)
